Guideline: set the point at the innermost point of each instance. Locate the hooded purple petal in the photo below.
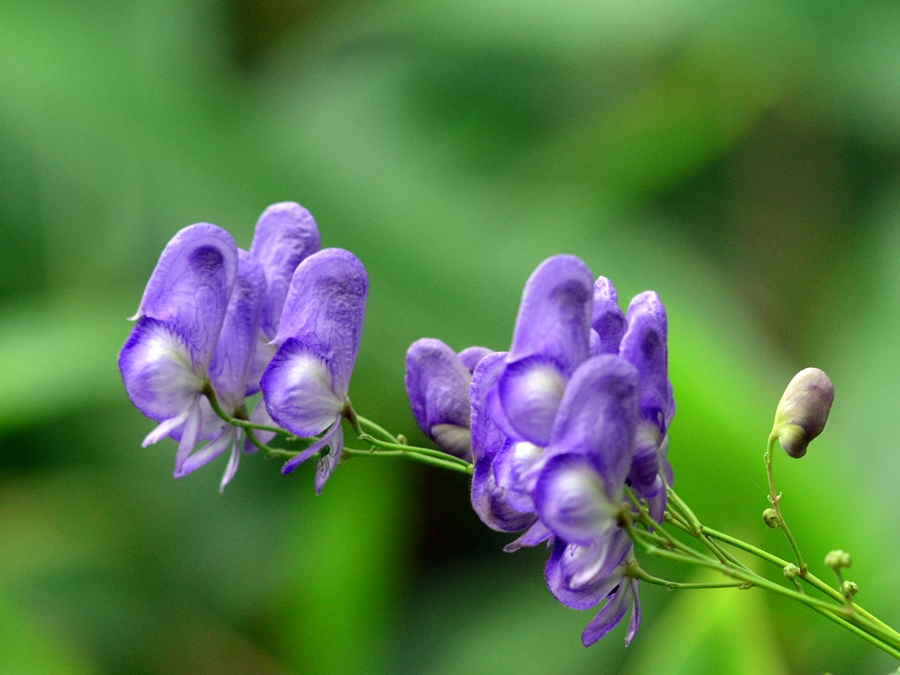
(598, 416)
(607, 319)
(286, 234)
(299, 391)
(644, 345)
(554, 317)
(190, 287)
(324, 310)
(611, 614)
(470, 356)
(235, 350)
(437, 384)
(487, 439)
(570, 498)
(513, 472)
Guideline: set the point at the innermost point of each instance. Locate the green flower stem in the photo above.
(807, 576)
(658, 532)
(774, 497)
(269, 451)
(210, 394)
(366, 423)
(637, 573)
(861, 633)
(411, 449)
(467, 469)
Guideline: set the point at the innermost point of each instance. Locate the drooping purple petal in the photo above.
(206, 454)
(156, 365)
(285, 235)
(313, 449)
(607, 318)
(534, 535)
(487, 439)
(570, 498)
(233, 461)
(554, 317)
(470, 356)
(598, 416)
(610, 616)
(324, 309)
(233, 357)
(326, 464)
(530, 391)
(635, 622)
(190, 287)
(298, 390)
(437, 384)
(189, 437)
(568, 560)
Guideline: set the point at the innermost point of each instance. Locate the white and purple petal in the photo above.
(324, 309)
(530, 391)
(598, 416)
(580, 577)
(285, 235)
(437, 384)
(571, 499)
(158, 369)
(299, 391)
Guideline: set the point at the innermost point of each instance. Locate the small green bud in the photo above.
(838, 559)
(770, 516)
(803, 410)
(849, 589)
(791, 571)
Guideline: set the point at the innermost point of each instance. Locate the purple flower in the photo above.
(305, 386)
(231, 363)
(165, 363)
(437, 384)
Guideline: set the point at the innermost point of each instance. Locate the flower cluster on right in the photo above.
(558, 426)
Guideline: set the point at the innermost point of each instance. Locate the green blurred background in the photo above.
(742, 159)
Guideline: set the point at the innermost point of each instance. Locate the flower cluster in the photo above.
(218, 324)
(577, 410)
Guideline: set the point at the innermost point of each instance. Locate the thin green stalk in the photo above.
(467, 469)
(233, 421)
(774, 497)
(676, 585)
(372, 426)
(437, 454)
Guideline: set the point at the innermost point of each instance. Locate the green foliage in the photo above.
(739, 158)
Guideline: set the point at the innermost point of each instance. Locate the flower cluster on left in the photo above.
(218, 324)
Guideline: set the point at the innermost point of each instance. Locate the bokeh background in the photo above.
(742, 159)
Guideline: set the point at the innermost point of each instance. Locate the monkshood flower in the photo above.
(305, 386)
(165, 362)
(437, 384)
(231, 364)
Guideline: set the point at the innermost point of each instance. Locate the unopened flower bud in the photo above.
(771, 518)
(849, 589)
(838, 559)
(803, 410)
(791, 571)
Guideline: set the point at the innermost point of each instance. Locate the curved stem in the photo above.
(775, 498)
(467, 469)
(233, 421)
(373, 427)
(412, 449)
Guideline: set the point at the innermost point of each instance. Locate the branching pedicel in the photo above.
(564, 436)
